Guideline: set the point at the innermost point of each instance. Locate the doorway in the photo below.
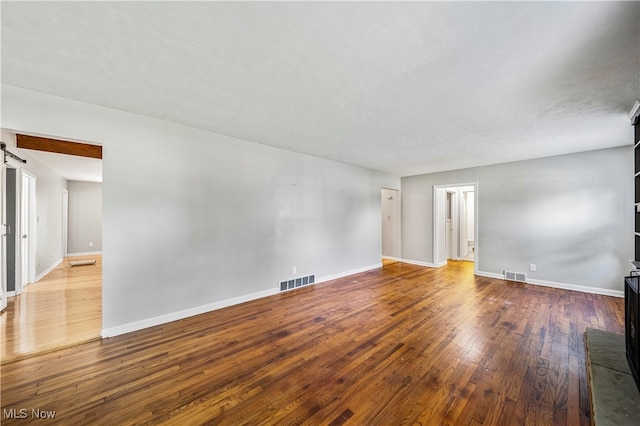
(11, 243)
(62, 305)
(18, 230)
(10, 269)
(455, 212)
(391, 240)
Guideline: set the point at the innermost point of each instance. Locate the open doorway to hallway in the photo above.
(56, 305)
(460, 223)
(455, 213)
(390, 226)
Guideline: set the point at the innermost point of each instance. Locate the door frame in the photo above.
(28, 226)
(10, 162)
(65, 222)
(3, 250)
(464, 216)
(439, 223)
(396, 230)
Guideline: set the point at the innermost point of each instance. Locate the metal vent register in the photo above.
(515, 276)
(297, 282)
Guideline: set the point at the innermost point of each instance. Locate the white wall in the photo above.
(85, 217)
(193, 220)
(571, 215)
(49, 186)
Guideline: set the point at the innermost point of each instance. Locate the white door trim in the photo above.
(17, 166)
(65, 222)
(28, 227)
(3, 259)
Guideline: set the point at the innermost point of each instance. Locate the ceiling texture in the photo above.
(404, 88)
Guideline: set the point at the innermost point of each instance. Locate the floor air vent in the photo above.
(297, 282)
(515, 276)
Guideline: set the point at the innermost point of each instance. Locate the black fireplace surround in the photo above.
(632, 325)
(632, 283)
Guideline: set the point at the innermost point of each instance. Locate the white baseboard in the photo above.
(49, 269)
(490, 275)
(84, 253)
(562, 286)
(419, 263)
(574, 287)
(11, 293)
(174, 316)
(347, 273)
(392, 258)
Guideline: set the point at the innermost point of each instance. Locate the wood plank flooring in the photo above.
(402, 344)
(62, 309)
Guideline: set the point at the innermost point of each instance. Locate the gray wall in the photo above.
(570, 215)
(49, 186)
(85, 217)
(192, 218)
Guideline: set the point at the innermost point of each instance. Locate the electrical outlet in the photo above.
(90, 243)
(294, 270)
(532, 267)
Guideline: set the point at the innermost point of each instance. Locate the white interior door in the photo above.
(450, 232)
(439, 226)
(467, 241)
(27, 229)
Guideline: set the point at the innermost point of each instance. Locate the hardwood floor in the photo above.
(401, 344)
(388, 262)
(63, 309)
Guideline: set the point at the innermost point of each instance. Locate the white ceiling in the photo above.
(405, 88)
(70, 167)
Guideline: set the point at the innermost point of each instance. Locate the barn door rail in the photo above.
(3, 146)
